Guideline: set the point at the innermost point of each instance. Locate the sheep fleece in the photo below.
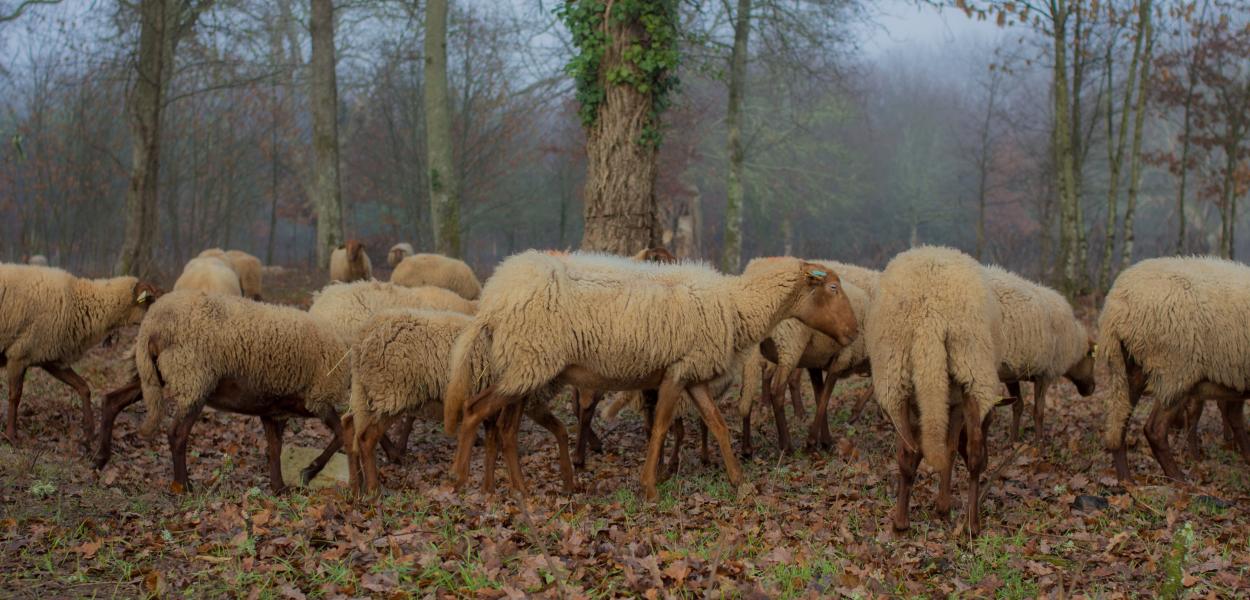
(1041, 336)
(211, 275)
(350, 305)
(438, 270)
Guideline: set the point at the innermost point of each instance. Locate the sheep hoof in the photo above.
(177, 488)
(306, 475)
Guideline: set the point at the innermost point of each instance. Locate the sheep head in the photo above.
(396, 255)
(142, 297)
(824, 307)
(658, 254)
(1082, 373)
(354, 247)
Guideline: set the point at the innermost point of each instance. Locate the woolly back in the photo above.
(209, 274)
(402, 358)
(350, 305)
(1183, 319)
(1041, 334)
(437, 270)
(934, 321)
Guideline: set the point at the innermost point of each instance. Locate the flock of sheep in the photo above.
(938, 333)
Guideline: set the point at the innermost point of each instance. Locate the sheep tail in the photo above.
(752, 377)
(468, 358)
(1109, 359)
(359, 414)
(146, 351)
(931, 382)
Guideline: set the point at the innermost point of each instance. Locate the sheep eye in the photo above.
(833, 287)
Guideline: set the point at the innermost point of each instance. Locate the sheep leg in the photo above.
(368, 452)
(396, 450)
(1233, 412)
(907, 463)
(351, 446)
(954, 429)
(796, 395)
(1040, 387)
(674, 461)
(818, 435)
(335, 424)
(274, 428)
(67, 376)
(178, 437)
(1193, 416)
(509, 429)
(716, 423)
(487, 404)
(491, 456)
(1017, 409)
(776, 398)
(113, 404)
(1119, 455)
(976, 458)
(747, 449)
(593, 408)
(17, 375)
(1156, 431)
(539, 412)
(858, 409)
(705, 455)
(586, 403)
(666, 403)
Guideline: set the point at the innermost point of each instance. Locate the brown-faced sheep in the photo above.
(1042, 340)
(49, 319)
(935, 322)
(398, 253)
(1175, 327)
(437, 270)
(240, 356)
(611, 323)
(247, 267)
(210, 275)
(350, 262)
(792, 345)
(399, 367)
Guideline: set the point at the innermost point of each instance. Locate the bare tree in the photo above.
(327, 195)
(443, 178)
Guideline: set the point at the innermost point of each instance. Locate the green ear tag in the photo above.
(818, 273)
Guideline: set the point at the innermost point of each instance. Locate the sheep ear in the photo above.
(816, 276)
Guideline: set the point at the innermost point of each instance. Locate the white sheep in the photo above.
(37, 260)
(211, 275)
(1042, 341)
(934, 322)
(437, 270)
(611, 323)
(241, 356)
(49, 319)
(351, 305)
(247, 267)
(399, 368)
(398, 253)
(350, 262)
(1175, 327)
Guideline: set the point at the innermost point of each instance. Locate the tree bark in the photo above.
(1115, 155)
(620, 210)
(145, 104)
(327, 196)
(1062, 133)
(731, 259)
(1139, 121)
(443, 179)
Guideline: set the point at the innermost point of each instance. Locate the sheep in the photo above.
(247, 267)
(400, 366)
(935, 321)
(793, 345)
(49, 319)
(1042, 341)
(37, 260)
(437, 270)
(240, 356)
(350, 262)
(1175, 327)
(211, 275)
(398, 253)
(605, 322)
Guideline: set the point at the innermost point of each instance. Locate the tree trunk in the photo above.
(731, 259)
(1139, 122)
(1077, 144)
(1115, 155)
(1062, 132)
(443, 180)
(144, 105)
(1228, 199)
(620, 210)
(327, 197)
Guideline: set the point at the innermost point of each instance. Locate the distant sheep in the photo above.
(239, 356)
(351, 305)
(399, 367)
(437, 270)
(605, 322)
(398, 253)
(1176, 327)
(350, 262)
(1042, 340)
(935, 321)
(249, 269)
(210, 275)
(49, 319)
(37, 260)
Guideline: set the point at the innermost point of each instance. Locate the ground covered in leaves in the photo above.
(816, 525)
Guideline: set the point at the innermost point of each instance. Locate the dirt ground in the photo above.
(816, 525)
